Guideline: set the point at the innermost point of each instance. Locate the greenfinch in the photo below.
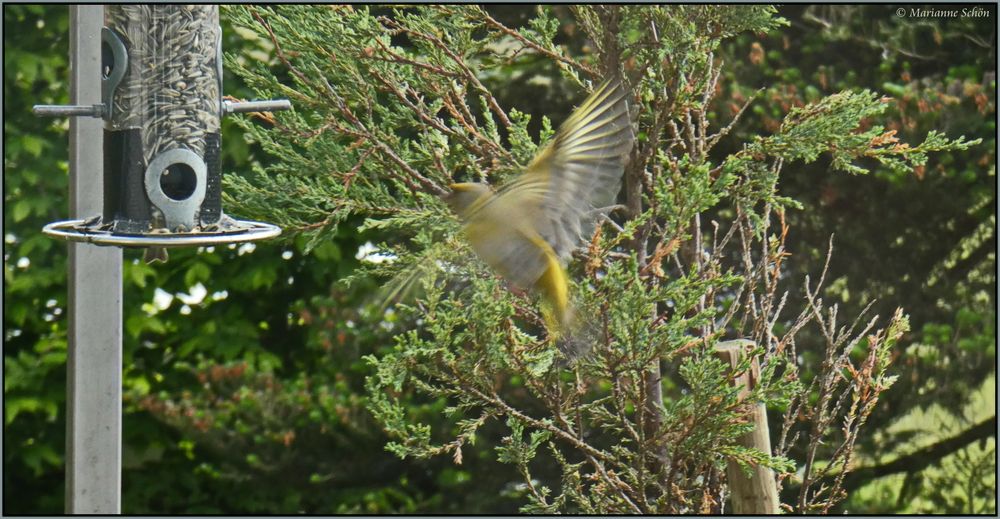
(527, 231)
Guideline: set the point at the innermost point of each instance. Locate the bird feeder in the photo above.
(161, 102)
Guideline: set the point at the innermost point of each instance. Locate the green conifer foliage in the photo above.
(392, 105)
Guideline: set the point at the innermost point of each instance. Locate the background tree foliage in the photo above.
(241, 403)
(924, 240)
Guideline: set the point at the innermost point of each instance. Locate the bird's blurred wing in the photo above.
(502, 236)
(400, 286)
(579, 172)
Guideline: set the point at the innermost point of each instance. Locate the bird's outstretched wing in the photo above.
(579, 172)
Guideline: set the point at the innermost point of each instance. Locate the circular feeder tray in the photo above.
(84, 231)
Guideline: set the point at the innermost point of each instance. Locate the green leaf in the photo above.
(21, 209)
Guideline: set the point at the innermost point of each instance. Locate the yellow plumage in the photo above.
(529, 228)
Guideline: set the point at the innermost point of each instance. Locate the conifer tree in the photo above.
(393, 105)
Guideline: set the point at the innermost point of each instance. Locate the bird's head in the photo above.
(464, 194)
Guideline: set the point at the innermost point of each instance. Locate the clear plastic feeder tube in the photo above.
(163, 119)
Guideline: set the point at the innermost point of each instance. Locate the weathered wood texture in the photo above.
(757, 494)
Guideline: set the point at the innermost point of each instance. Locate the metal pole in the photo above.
(94, 366)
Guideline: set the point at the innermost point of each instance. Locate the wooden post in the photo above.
(757, 494)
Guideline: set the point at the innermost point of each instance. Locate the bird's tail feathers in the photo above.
(575, 337)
